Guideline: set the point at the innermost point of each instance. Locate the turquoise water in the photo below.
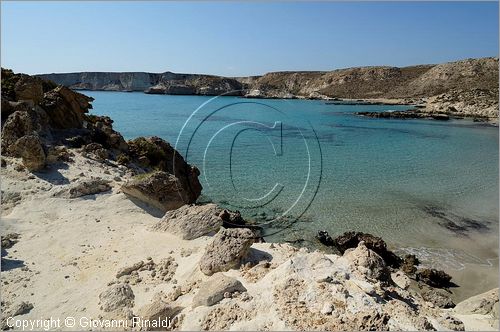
(417, 183)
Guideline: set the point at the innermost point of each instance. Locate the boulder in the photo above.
(482, 304)
(226, 250)
(26, 119)
(213, 290)
(191, 221)
(102, 133)
(400, 279)
(84, 187)
(158, 189)
(231, 219)
(32, 151)
(156, 153)
(409, 265)
(117, 297)
(324, 238)
(439, 297)
(434, 278)
(375, 243)
(157, 310)
(368, 263)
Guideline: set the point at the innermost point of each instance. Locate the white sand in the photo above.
(70, 249)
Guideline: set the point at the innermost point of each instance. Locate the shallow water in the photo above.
(426, 187)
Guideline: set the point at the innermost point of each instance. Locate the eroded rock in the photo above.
(482, 304)
(226, 250)
(191, 221)
(434, 278)
(116, 297)
(157, 310)
(368, 263)
(214, 289)
(31, 149)
(84, 187)
(375, 243)
(158, 189)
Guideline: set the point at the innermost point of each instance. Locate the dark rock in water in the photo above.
(325, 238)
(231, 219)
(434, 278)
(351, 240)
(439, 297)
(410, 263)
(443, 117)
(408, 114)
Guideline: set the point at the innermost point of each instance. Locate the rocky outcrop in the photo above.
(467, 88)
(368, 263)
(408, 114)
(31, 149)
(227, 249)
(483, 304)
(434, 278)
(38, 117)
(162, 83)
(352, 239)
(214, 289)
(41, 119)
(159, 189)
(191, 222)
(154, 153)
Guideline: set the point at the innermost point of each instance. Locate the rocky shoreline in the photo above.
(96, 227)
(467, 88)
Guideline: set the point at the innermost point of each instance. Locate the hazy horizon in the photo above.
(241, 39)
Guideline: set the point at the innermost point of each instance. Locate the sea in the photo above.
(295, 167)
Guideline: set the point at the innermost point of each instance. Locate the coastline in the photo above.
(115, 248)
(87, 240)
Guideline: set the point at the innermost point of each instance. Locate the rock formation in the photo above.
(227, 249)
(213, 290)
(40, 120)
(191, 222)
(461, 88)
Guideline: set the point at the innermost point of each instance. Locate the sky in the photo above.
(241, 38)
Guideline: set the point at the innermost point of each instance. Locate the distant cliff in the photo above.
(453, 82)
(162, 83)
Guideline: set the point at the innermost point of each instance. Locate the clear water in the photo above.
(399, 179)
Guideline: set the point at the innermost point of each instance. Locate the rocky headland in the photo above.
(467, 88)
(98, 228)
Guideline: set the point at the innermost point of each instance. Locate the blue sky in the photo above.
(238, 38)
